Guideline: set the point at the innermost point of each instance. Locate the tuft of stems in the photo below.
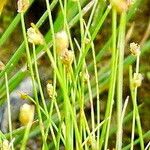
(62, 120)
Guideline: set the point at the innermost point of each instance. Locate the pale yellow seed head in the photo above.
(137, 79)
(135, 49)
(23, 5)
(120, 5)
(5, 145)
(34, 35)
(85, 76)
(92, 142)
(50, 90)
(67, 57)
(26, 114)
(87, 41)
(62, 42)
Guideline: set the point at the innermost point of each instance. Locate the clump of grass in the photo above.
(62, 120)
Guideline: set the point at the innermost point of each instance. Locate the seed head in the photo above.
(26, 114)
(50, 90)
(62, 42)
(87, 41)
(23, 5)
(67, 57)
(85, 76)
(92, 142)
(137, 79)
(135, 49)
(5, 145)
(34, 35)
(120, 5)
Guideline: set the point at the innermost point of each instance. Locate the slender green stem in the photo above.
(91, 103)
(112, 79)
(81, 58)
(135, 110)
(145, 136)
(133, 119)
(97, 89)
(38, 79)
(64, 90)
(32, 77)
(9, 108)
(121, 46)
(42, 95)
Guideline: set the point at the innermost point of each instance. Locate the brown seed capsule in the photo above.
(26, 114)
